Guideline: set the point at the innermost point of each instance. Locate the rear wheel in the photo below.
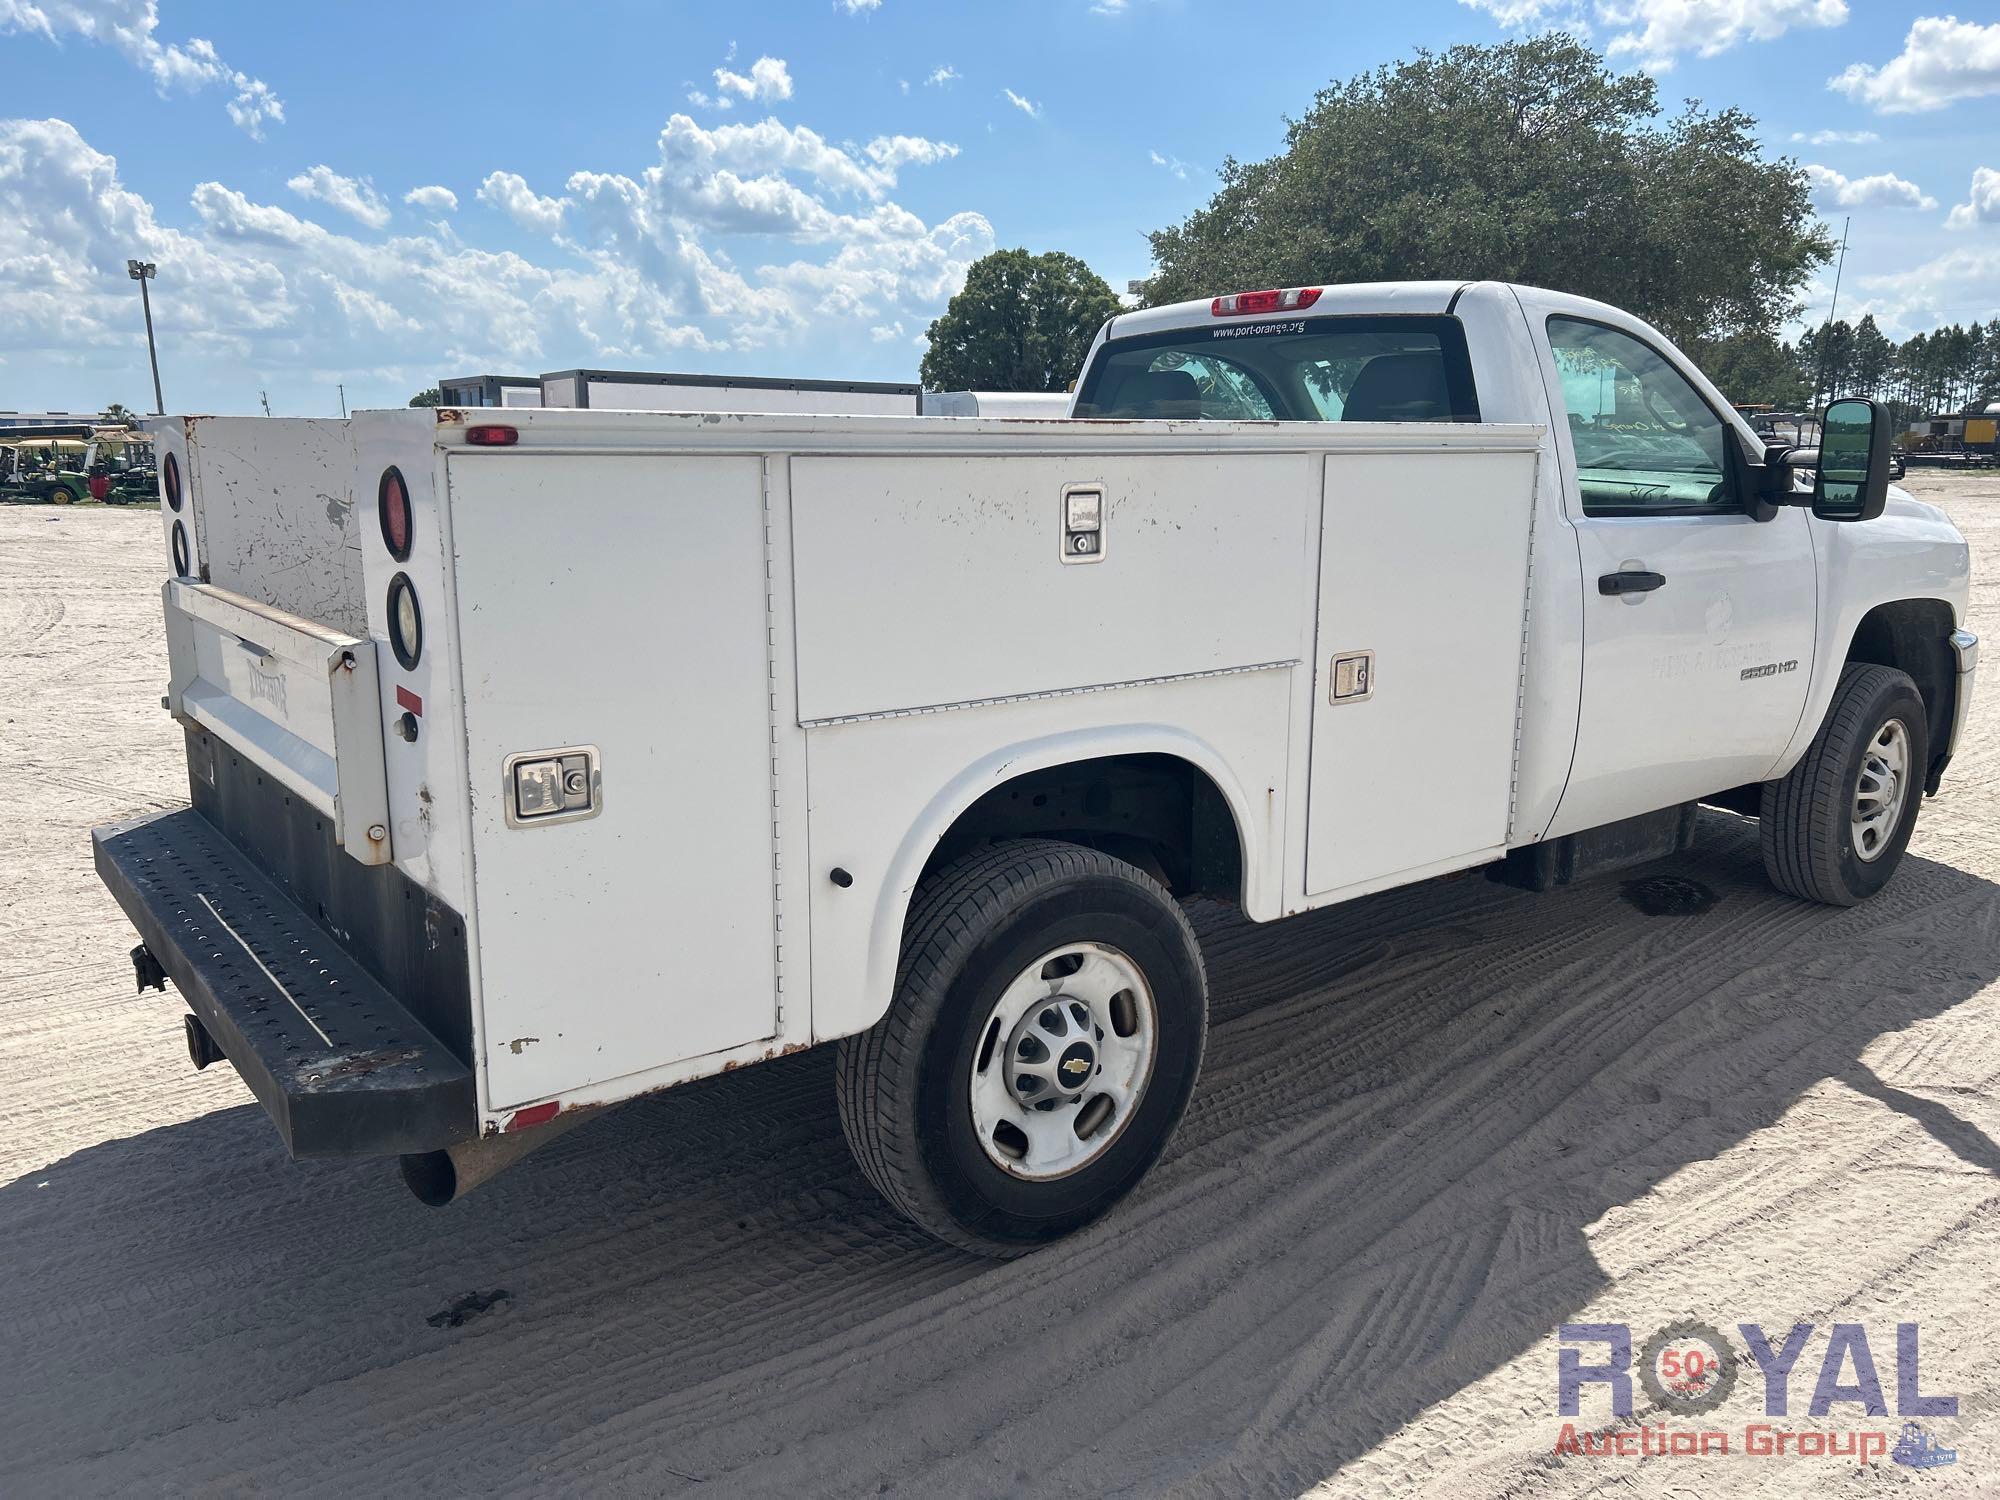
(1047, 1028)
(62, 495)
(1835, 828)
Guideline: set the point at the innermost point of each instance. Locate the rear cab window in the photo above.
(1333, 369)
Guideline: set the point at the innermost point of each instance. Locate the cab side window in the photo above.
(1645, 440)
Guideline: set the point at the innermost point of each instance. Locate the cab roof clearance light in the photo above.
(1240, 304)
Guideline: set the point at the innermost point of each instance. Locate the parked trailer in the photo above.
(906, 735)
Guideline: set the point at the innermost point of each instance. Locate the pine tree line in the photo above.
(1946, 370)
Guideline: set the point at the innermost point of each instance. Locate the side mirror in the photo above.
(1852, 481)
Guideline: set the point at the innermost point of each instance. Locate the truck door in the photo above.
(1698, 621)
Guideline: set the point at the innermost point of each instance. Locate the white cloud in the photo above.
(357, 199)
(1172, 164)
(1948, 288)
(1884, 190)
(635, 269)
(891, 152)
(1110, 7)
(767, 80)
(942, 76)
(439, 200)
(1655, 32)
(1027, 107)
(1943, 59)
(254, 106)
(130, 27)
(1518, 13)
(1835, 138)
(690, 151)
(1982, 205)
(855, 7)
(509, 192)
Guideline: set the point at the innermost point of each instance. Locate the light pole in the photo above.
(143, 271)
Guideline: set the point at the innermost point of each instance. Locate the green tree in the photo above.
(1868, 367)
(116, 414)
(1754, 369)
(1527, 161)
(1023, 323)
(1827, 354)
(431, 397)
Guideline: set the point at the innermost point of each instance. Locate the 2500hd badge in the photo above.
(1769, 669)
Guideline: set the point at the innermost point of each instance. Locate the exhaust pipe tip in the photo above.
(441, 1177)
(432, 1177)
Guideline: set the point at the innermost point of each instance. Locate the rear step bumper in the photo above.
(340, 1065)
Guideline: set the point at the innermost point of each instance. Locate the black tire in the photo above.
(1806, 828)
(904, 1086)
(62, 495)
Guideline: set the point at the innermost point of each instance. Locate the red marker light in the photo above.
(392, 506)
(493, 436)
(533, 1115)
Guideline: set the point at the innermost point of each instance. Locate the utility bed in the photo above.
(554, 762)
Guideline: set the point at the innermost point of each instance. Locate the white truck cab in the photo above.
(540, 759)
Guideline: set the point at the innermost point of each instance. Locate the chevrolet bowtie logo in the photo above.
(1075, 1065)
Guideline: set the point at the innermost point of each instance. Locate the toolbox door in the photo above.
(1423, 590)
(615, 655)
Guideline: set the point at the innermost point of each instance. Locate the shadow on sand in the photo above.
(1414, 1108)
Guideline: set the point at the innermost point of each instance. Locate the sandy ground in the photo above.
(1434, 1125)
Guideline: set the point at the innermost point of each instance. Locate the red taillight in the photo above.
(392, 506)
(493, 436)
(1291, 299)
(533, 1115)
(170, 481)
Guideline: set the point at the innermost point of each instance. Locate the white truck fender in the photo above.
(1910, 552)
(1258, 834)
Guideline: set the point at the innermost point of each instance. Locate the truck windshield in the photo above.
(1330, 369)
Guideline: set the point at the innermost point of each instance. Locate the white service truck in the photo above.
(540, 759)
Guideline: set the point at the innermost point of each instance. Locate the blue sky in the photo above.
(791, 189)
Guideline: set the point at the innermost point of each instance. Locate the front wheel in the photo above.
(1046, 1032)
(1834, 829)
